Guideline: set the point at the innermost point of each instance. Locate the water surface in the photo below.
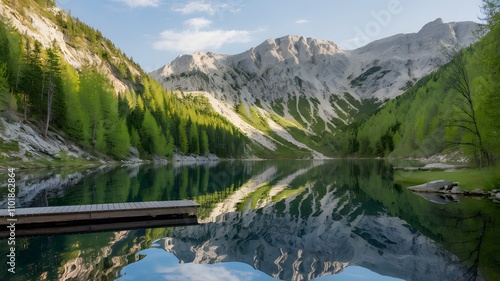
(262, 220)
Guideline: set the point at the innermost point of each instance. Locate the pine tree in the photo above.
(183, 138)
(204, 145)
(194, 143)
(118, 140)
(30, 83)
(91, 84)
(5, 95)
(54, 71)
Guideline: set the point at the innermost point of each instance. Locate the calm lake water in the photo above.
(261, 220)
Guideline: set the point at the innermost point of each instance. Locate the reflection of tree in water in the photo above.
(325, 220)
(468, 238)
(360, 188)
(100, 256)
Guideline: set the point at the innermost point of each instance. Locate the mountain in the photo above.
(295, 65)
(312, 85)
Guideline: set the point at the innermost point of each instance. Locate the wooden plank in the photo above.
(65, 214)
(157, 205)
(24, 211)
(59, 210)
(148, 205)
(175, 204)
(47, 210)
(65, 209)
(52, 210)
(143, 205)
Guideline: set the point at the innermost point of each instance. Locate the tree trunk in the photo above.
(49, 104)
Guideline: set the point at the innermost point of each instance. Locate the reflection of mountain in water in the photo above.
(297, 220)
(328, 224)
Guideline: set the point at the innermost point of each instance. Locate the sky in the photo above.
(155, 32)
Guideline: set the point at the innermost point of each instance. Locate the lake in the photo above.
(261, 220)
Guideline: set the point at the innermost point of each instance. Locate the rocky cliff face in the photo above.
(312, 81)
(294, 65)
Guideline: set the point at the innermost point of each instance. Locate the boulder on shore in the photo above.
(439, 186)
(443, 191)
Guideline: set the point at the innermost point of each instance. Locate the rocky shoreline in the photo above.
(450, 190)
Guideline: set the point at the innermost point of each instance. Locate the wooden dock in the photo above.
(99, 217)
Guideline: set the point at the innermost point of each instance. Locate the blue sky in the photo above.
(154, 32)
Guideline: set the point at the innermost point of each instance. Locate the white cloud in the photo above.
(189, 41)
(198, 23)
(196, 7)
(139, 3)
(196, 38)
(302, 21)
(209, 7)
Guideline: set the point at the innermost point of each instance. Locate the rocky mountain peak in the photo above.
(434, 23)
(297, 49)
(407, 57)
(313, 82)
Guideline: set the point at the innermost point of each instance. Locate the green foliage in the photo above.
(422, 121)
(86, 108)
(183, 138)
(7, 101)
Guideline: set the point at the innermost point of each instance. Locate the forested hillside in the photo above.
(96, 96)
(456, 108)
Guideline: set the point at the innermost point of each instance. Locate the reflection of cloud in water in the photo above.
(200, 272)
(161, 265)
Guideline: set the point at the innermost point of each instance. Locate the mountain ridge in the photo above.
(301, 50)
(311, 82)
